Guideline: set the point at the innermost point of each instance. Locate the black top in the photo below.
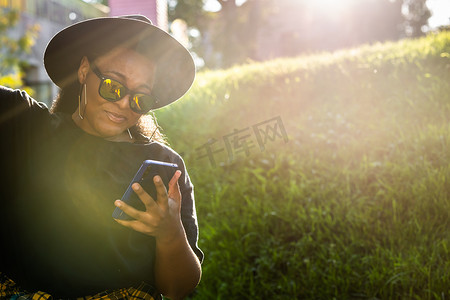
(57, 193)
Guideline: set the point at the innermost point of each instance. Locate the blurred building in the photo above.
(155, 10)
(54, 15)
(51, 16)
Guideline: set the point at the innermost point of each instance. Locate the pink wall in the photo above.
(147, 8)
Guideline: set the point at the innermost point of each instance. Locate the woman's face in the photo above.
(112, 119)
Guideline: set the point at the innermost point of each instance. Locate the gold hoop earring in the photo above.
(83, 87)
(85, 96)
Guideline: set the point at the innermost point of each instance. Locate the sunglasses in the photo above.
(112, 90)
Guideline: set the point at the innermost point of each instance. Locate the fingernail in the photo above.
(157, 179)
(118, 203)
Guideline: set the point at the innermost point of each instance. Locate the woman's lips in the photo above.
(116, 118)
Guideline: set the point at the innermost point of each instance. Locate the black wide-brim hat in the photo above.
(175, 69)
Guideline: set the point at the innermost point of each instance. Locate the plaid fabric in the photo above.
(9, 290)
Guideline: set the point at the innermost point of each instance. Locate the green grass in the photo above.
(355, 205)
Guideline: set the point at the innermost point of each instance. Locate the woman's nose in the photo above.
(124, 103)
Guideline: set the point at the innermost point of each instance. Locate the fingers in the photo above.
(162, 196)
(129, 210)
(144, 196)
(159, 214)
(134, 224)
(173, 193)
(174, 187)
(161, 192)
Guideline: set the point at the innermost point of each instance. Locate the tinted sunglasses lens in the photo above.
(142, 103)
(111, 90)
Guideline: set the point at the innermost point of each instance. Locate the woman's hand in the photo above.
(177, 268)
(161, 218)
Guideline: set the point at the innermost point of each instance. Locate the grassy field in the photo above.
(324, 176)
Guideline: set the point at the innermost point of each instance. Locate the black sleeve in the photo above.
(17, 107)
(188, 212)
(21, 118)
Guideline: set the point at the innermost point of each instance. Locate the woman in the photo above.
(63, 169)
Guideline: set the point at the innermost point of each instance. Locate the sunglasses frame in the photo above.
(102, 78)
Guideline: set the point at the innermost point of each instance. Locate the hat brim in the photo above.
(175, 69)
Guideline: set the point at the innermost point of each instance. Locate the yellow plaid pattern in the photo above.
(10, 290)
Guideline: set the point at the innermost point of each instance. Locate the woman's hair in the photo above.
(146, 129)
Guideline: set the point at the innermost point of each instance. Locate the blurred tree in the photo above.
(416, 15)
(318, 28)
(369, 21)
(191, 11)
(236, 29)
(197, 19)
(13, 49)
(227, 36)
(231, 35)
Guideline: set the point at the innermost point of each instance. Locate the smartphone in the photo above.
(140, 175)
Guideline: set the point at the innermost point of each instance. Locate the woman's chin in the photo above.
(111, 133)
